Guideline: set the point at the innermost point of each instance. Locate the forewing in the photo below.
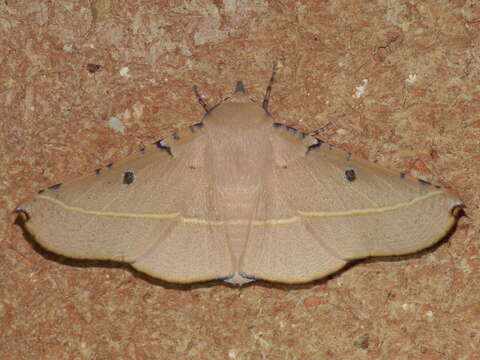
(323, 207)
(150, 210)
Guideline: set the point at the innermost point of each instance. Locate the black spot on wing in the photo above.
(350, 174)
(128, 177)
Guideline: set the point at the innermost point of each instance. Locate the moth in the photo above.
(240, 197)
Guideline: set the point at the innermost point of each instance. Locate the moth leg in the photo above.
(321, 130)
(200, 99)
(266, 99)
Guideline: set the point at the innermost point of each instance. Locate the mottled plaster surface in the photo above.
(398, 80)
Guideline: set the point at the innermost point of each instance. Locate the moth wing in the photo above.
(280, 246)
(154, 223)
(324, 207)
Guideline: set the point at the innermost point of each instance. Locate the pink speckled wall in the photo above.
(398, 80)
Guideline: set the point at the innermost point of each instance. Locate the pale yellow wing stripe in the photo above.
(171, 216)
(379, 210)
(284, 221)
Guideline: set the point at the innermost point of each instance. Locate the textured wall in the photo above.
(398, 80)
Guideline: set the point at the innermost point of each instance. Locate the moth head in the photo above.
(240, 95)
